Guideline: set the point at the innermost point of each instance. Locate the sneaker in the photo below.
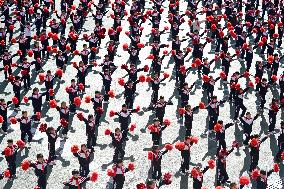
(28, 145)
(64, 137)
(36, 122)
(17, 109)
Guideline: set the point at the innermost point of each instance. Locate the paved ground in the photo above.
(140, 140)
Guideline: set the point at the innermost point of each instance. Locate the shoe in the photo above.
(64, 137)
(36, 122)
(17, 109)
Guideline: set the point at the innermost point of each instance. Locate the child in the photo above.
(25, 126)
(36, 99)
(90, 132)
(118, 140)
(52, 137)
(11, 158)
(84, 160)
(156, 131)
(157, 161)
(76, 181)
(247, 122)
(40, 167)
(97, 105)
(3, 113)
(64, 114)
(188, 118)
(119, 171)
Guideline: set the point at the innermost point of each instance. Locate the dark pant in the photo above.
(84, 170)
(185, 164)
(24, 133)
(119, 151)
(253, 163)
(238, 107)
(91, 140)
(156, 172)
(12, 168)
(41, 181)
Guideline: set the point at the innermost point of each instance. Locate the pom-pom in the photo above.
(223, 75)
(188, 49)
(63, 122)
(74, 148)
(100, 110)
(25, 165)
(140, 45)
(30, 53)
(13, 120)
(151, 57)
(202, 105)
(165, 52)
(142, 78)
(194, 139)
(180, 145)
(132, 127)
(131, 166)
(270, 59)
(7, 173)
(211, 164)
(274, 78)
(121, 82)
(167, 178)
(7, 152)
(148, 79)
(59, 72)
(244, 180)
(169, 147)
(282, 155)
(15, 100)
(166, 75)
(255, 174)
(51, 92)
(52, 103)
(81, 86)
(87, 99)
(42, 127)
(41, 77)
(125, 46)
(107, 132)
(167, 122)
(254, 143)
(1, 119)
(205, 78)
(137, 109)
(181, 111)
(111, 94)
(251, 84)
(246, 74)
(20, 144)
(111, 173)
(146, 68)
(150, 155)
(77, 101)
(111, 113)
(94, 176)
(217, 127)
(194, 173)
(275, 167)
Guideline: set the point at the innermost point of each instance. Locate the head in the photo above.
(155, 148)
(151, 184)
(214, 98)
(97, 93)
(90, 117)
(119, 163)
(73, 82)
(35, 90)
(24, 113)
(39, 158)
(248, 115)
(187, 107)
(162, 98)
(81, 63)
(10, 142)
(117, 131)
(156, 121)
(63, 104)
(124, 107)
(75, 173)
(83, 147)
(50, 130)
(233, 185)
